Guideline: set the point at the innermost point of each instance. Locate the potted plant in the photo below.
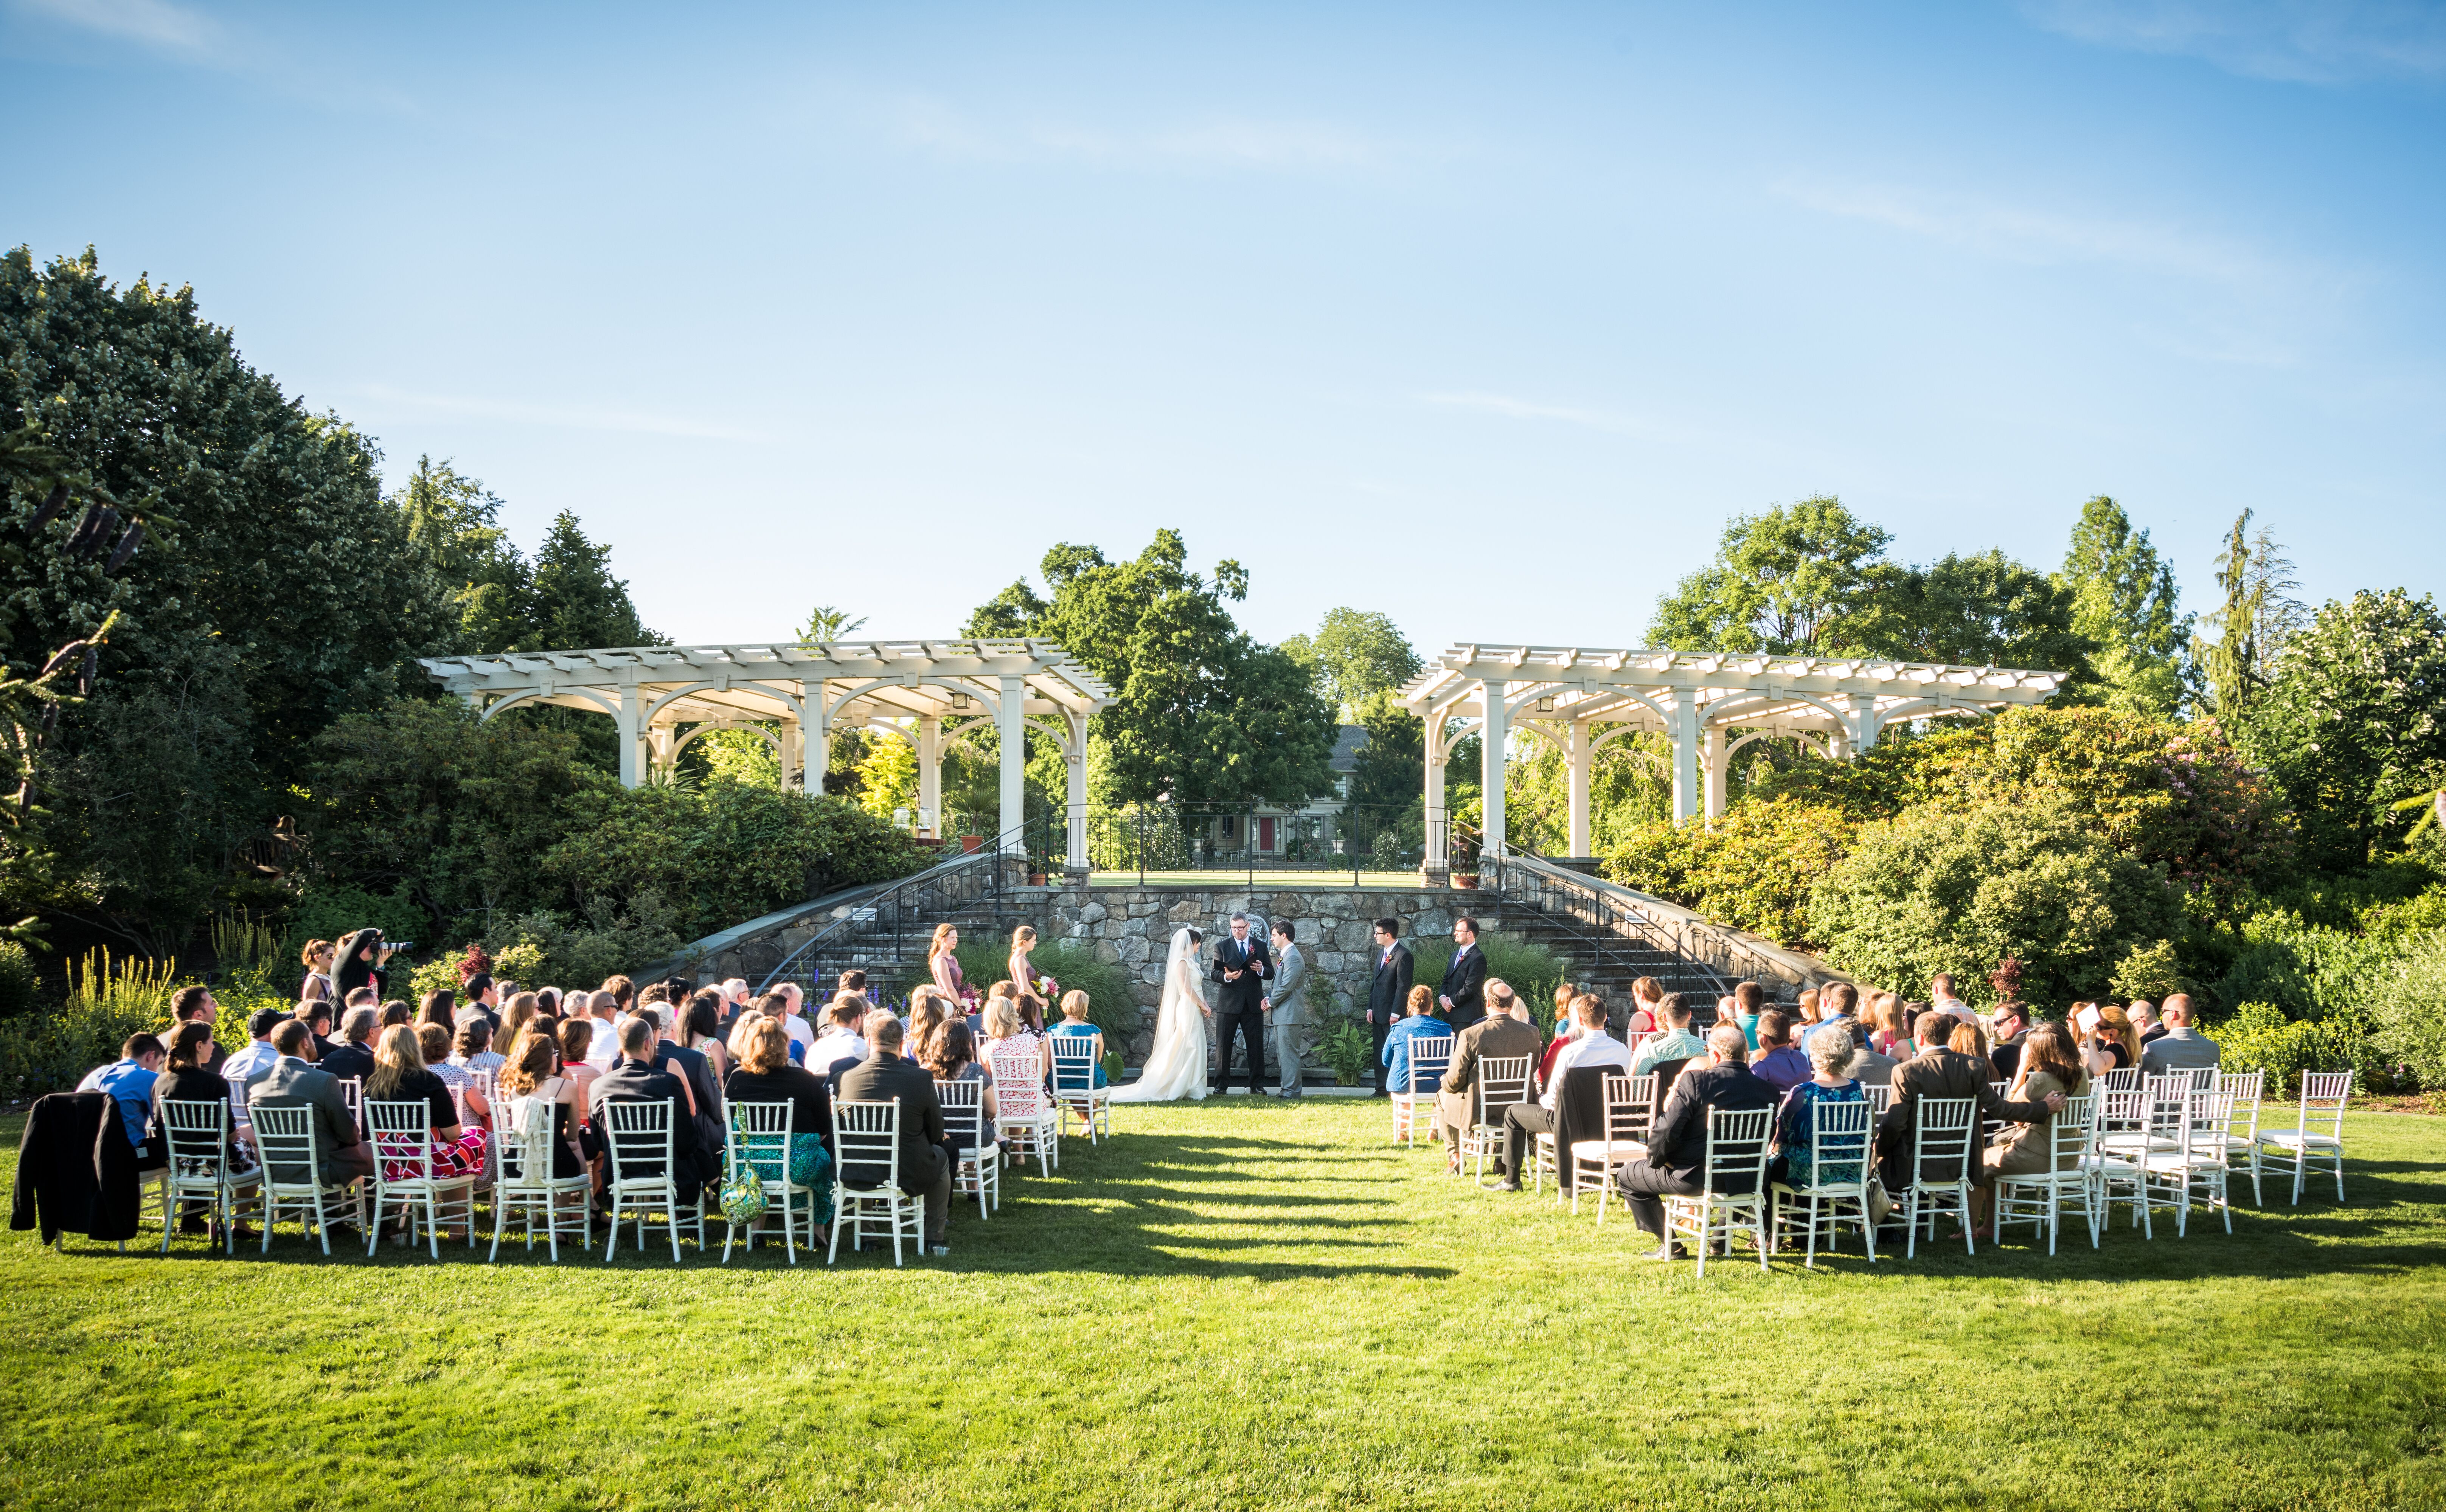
(1349, 1050)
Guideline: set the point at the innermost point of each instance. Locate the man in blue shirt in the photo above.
(1421, 1022)
(129, 1081)
(1674, 1041)
(1840, 998)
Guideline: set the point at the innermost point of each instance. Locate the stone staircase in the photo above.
(1608, 964)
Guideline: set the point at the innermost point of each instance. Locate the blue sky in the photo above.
(1485, 317)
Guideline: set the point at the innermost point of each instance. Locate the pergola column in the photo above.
(1437, 863)
(1493, 735)
(1863, 721)
(1716, 759)
(819, 741)
(930, 775)
(1579, 757)
(793, 757)
(1010, 719)
(1684, 735)
(664, 753)
(632, 745)
(1076, 756)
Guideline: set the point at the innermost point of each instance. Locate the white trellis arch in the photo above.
(1697, 700)
(796, 695)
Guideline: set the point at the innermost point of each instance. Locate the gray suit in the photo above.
(291, 1082)
(2178, 1050)
(1287, 1003)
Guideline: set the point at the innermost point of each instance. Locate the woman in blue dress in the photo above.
(1795, 1122)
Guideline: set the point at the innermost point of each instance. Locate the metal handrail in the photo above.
(1560, 891)
(917, 895)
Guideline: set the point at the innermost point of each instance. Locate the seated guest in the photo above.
(2049, 1063)
(518, 1011)
(2107, 1041)
(1749, 1001)
(1968, 1039)
(927, 1013)
(340, 1154)
(548, 1003)
(1805, 1005)
(575, 1037)
(195, 1005)
(436, 1007)
(1504, 1033)
(316, 1017)
(2145, 1022)
(400, 1077)
(1004, 1028)
(1590, 1045)
(472, 1047)
(2181, 1047)
(954, 1057)
(764, 1074)
(433, 1043)
(187, 1079)
(1796, 1121)
(2012, 1022)
(1646, 997)
(1674, 1041)
(1422, 1023)
(1868, 1068)
(396, 1012)
(782, 1006)
(256, 1054)
(605, 1013)
(694, 1069)
(130, 1080)
(1074, 1025)
(925, 1153)
(1561, 1038)
(1940, 1070)
(1782, 1064)
(353, 1056)
(1941, 998)
(1677, 1147)
(734, 1039)
(840, 1044)
(634, 1079)
(1835, 1006)
(700, 1031)
(1031, 1012)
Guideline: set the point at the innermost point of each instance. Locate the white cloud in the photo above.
(2026, 234)
(154, 23)
(2299, 41)
(568, 416)
(1223, 141)
(1511, 409)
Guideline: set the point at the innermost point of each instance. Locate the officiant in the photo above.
(1241, 966)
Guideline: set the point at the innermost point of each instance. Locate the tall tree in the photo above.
(1202, 712)
(1354, 655)
(2123, 602)
(565, 600)
(1804, 580)
(1975, 611)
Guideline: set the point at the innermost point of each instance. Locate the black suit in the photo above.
(1677, 1149)
(632, 1081)
(1465, 984)
(711, 1127)
(351, 1059)
(1240, 1006)
(925, 1147)
(1388, 999)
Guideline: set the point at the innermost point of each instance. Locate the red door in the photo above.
(1265, 834)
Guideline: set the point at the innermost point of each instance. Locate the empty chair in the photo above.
(1943, 1131)
(866, 1137)
(404, 1171)
(2323, 1096)
(761, 1137)
(637, 1139)
(2040, 1198)
(2114, 1176)
(976, 1159)
(1737, 1144)
(1838, 1179)
(2242, 1134)
(1502, 1082)
(202, 1168)
(528, 1189)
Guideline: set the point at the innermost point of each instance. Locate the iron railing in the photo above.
(1607, 916)
(888, 923)
(1250, 836)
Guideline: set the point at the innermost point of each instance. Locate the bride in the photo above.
(1176, 1067)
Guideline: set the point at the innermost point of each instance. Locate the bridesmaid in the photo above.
(1023, 971)
(942, 958)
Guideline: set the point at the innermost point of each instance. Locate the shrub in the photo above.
(2408, 1016)
(17, 979)
(330, 910)
(2303, 970)
(107, 1000)
(1936, 890)
(1754, 868)
(637, 935)
(2258, 1037)
(1350, 1050)
(2148, 971)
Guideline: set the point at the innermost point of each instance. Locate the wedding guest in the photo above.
(702, 1032)
(1969, 1040)
(433, 1043)
(1074, 1024)
(196, 1005)
(254, 1057)
(1795, 1122)
(400, 1075)
(926, 1014)
(1941, 1072)
(129, 1081)
(2144, 1022)
(187, 1078)
(1674, 1042)
(1677, 1146)
(1504, 1033)
(764, 1074)
(483, 999)
(317, 987)
(794, 1017)
(1804, 1006)
(954, 1057)
(340, 1154)
(394, 1013)
(1422, 1023)
(1868, 1067)
(636, 1079)
(435, 1006)
(1835, 1006)
(925, 1155)
(1941, 998)
(516, 1013)
(1590, 1045)
(472, 1046)
(316, 1017)
(2181, 1048)
(1004, 1027)
(353, 1057)
(2108, 1042)
(537, 1074)
(1646, 997)
(1782, 1064)
(2048, 1063)
(1748, 1001)
(2012, 1024)
(841, 1043)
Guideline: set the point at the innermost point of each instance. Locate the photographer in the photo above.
(361, 957)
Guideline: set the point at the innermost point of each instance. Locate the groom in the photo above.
(1240, 967)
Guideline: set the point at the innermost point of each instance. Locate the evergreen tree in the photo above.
(2123, 604)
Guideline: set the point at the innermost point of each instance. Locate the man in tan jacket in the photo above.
(1504, 1031)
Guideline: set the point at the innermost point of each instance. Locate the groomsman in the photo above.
(1388, 992)
(1465, 993)
(1284, 1011)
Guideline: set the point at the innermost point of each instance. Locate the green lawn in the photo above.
(1259, 1304)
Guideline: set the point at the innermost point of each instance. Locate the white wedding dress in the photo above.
(1176, 1067)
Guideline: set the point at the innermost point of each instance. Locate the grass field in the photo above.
(1245, 1304)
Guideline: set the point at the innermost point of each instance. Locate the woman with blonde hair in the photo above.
(927, 1014)
(400, 1075)
(2108, 1040)
(1969, 1039)
(515, 1014)
(1004, 1027)
(943, 961)
(433, 1042)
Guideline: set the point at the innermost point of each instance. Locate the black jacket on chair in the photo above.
(76, 1171)
(1579, 1114)
(348, 1060)
(1679, 1143)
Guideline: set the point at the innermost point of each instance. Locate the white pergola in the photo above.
(795, 696)
(1582, 700)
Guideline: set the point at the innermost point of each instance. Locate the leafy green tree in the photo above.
(825, 623)
(1951, 890)
(1355, 655)
(1753, 869)
(1202, 712)
(1976, 611)
(565, 600)
(1806, 579)
(2256, 616)
(2353, 719)
(2123, 604)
